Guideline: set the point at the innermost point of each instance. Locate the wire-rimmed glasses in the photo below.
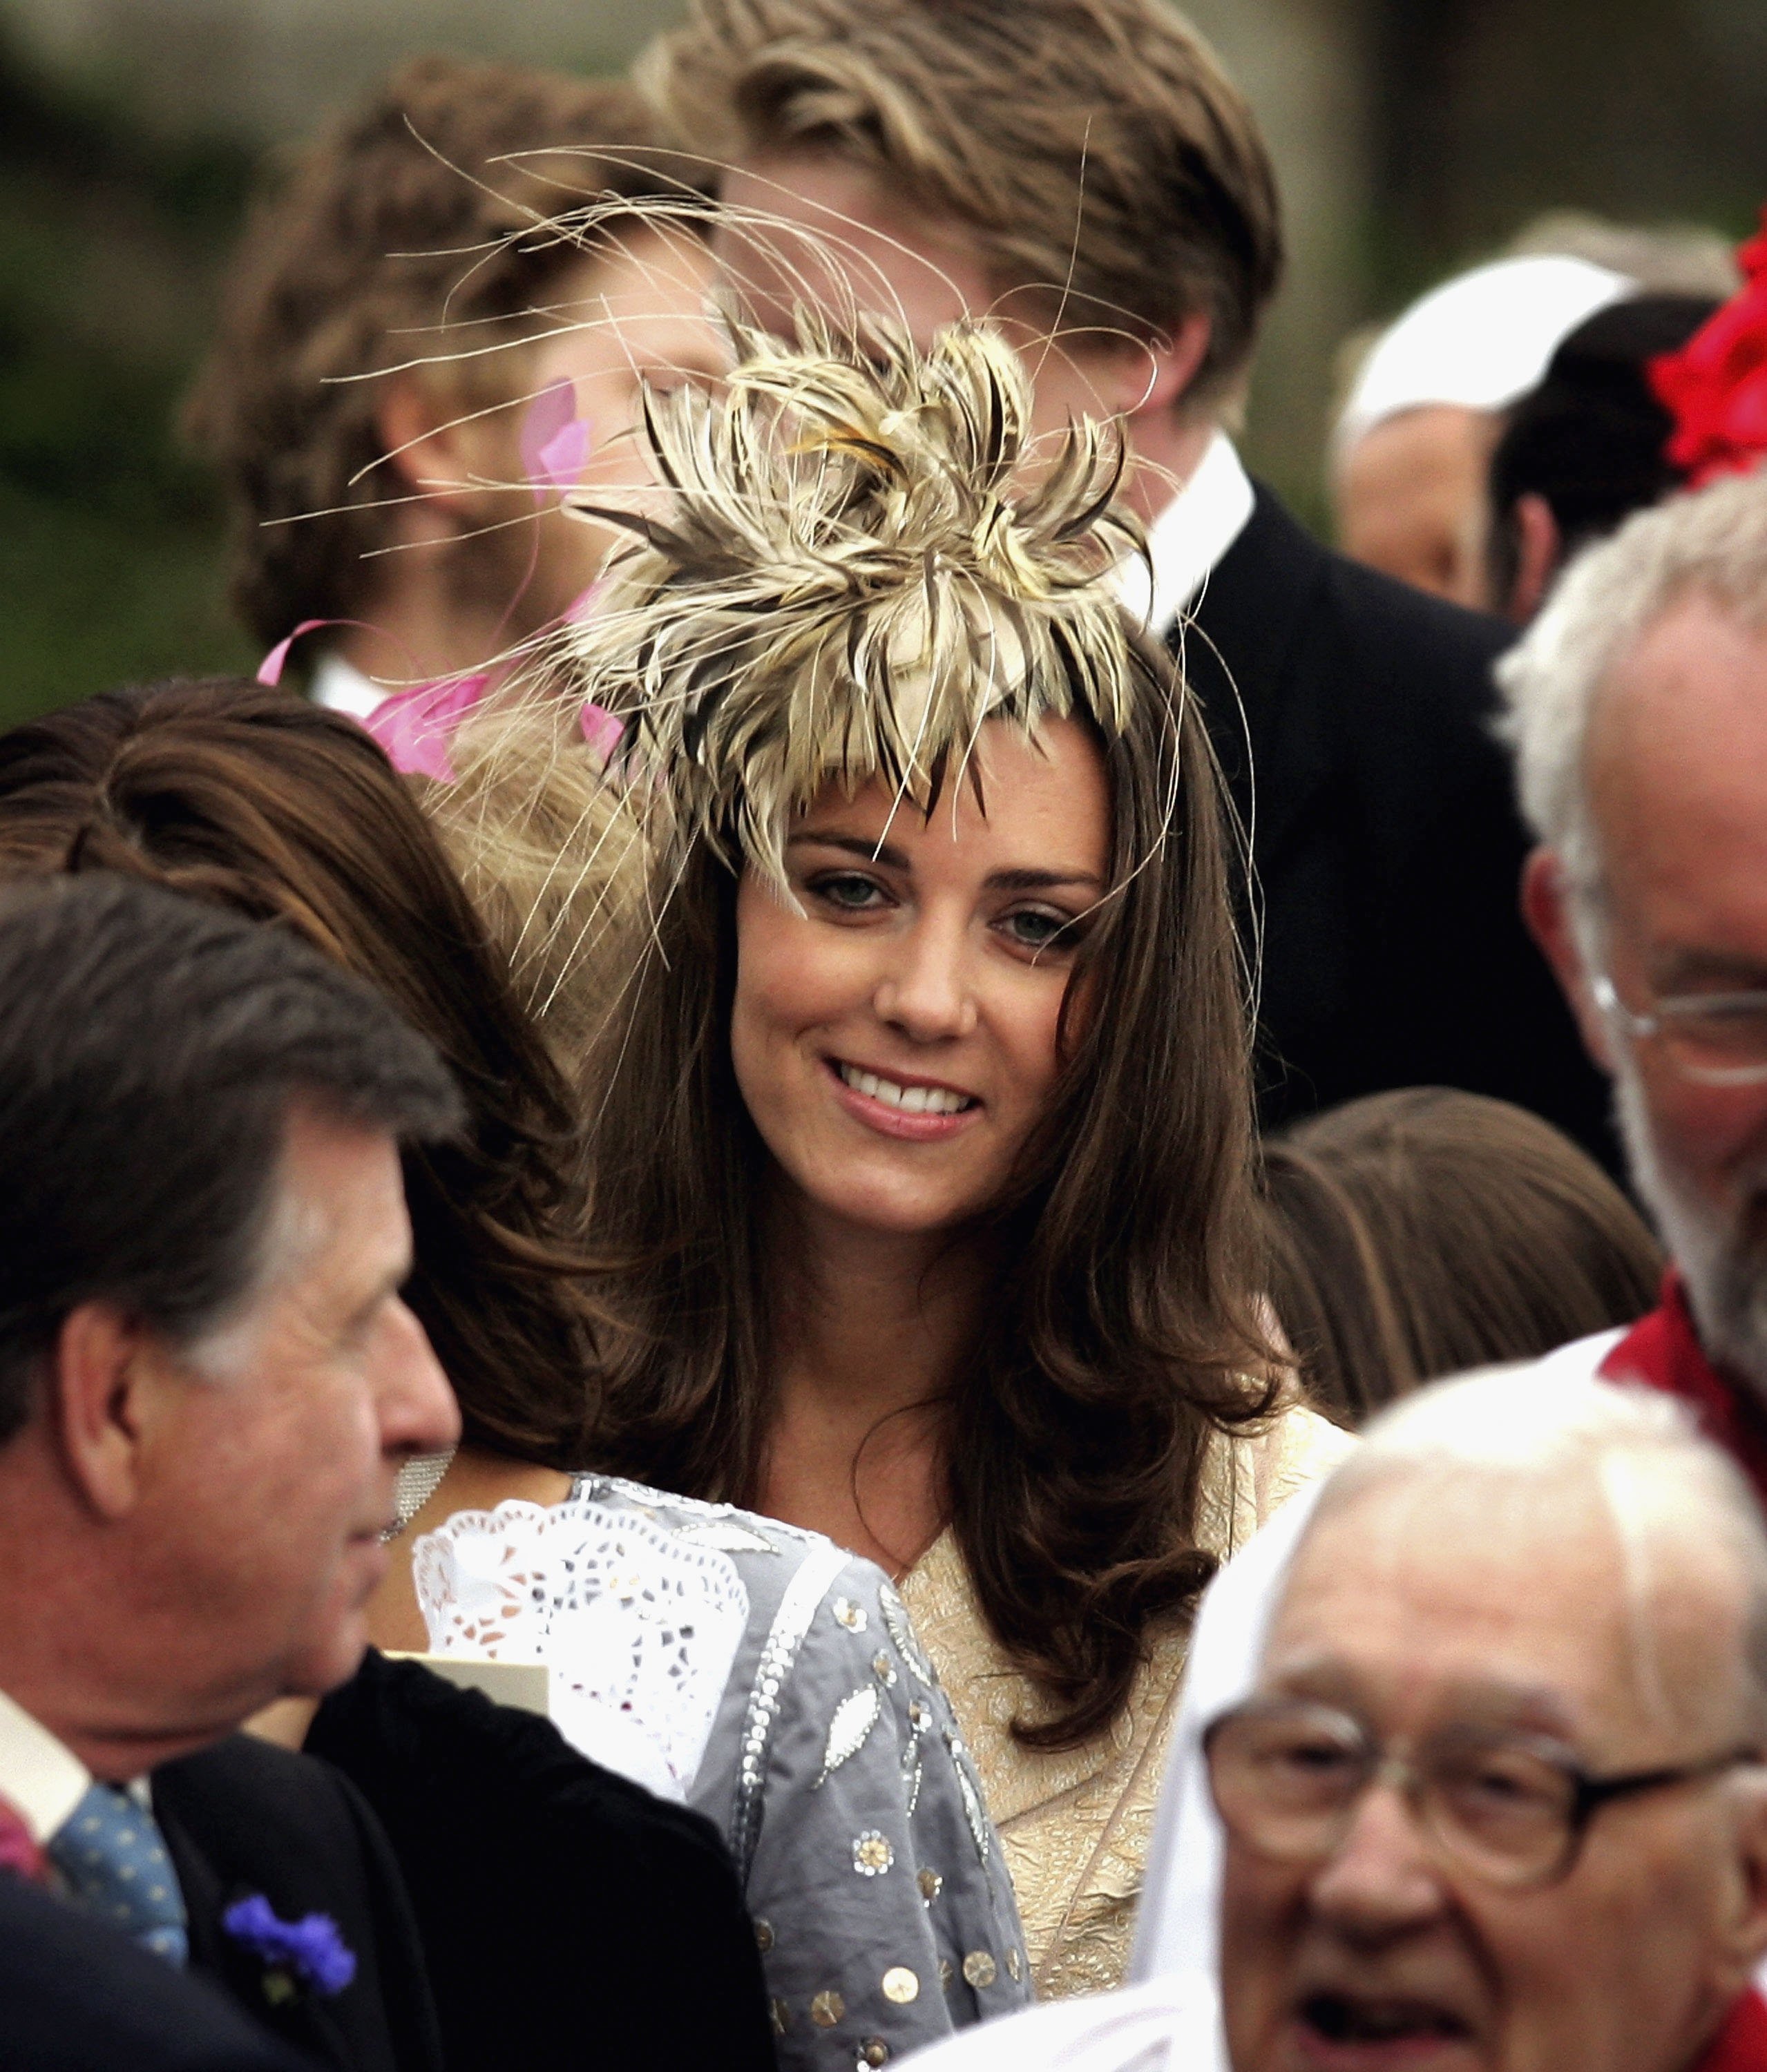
(1511, 1808)
(1719, 1039)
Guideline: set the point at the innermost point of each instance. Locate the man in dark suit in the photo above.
(77, 1996)
(208, 1384)
(1083, 171)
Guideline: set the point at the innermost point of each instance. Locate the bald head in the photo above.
(1571, 1523)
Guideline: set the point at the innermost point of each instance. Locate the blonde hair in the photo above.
(1095, 148)
(552, 858)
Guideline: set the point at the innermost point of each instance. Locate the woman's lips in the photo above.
(887, 1116)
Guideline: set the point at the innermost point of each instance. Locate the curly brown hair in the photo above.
(407, 214)
(257, 801)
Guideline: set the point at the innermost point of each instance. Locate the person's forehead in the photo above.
(1429, 1590)
(790, 217)
(1678, 767)
(1046, 795)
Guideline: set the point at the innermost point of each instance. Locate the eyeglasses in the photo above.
(1510, 1809)
(1718, 1038)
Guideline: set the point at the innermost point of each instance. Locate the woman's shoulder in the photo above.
(1252, 1474)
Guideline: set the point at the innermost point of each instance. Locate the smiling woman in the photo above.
(921, 1138)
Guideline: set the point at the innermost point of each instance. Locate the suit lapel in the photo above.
(1243, 654)
(212, 1882)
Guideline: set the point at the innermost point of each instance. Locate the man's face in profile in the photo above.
(1437, 1607)
(269, 1454)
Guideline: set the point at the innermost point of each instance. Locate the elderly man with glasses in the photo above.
(1638, 706)
(1496, 1801)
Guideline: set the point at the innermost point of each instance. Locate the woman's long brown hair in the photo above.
(1119, 1337)
(258, 801)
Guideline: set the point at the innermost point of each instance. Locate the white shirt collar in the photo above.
(1189, 537)
(41, 1778)
(340, 686)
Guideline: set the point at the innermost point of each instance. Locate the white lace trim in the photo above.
(639, 1628)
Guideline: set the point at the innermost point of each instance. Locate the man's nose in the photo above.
(1381, 1880)
(417, 1412)
(928, 991)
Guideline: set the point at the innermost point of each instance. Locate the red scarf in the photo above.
(1663, 1351)
(1740, 2046)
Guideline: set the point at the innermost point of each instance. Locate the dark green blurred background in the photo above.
(1411, 136)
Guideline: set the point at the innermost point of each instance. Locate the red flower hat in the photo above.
(1716, 387)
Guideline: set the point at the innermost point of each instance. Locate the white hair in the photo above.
(1713, 540)
(1657, 1477)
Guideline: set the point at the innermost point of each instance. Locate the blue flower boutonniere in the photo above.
(307, 1955)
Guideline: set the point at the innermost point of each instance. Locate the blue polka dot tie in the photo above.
(112, 1859)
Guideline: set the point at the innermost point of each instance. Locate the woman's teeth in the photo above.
(912, 1100)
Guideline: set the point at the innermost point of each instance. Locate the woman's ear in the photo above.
(441, 447)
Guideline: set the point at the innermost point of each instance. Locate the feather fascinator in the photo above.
(854, 569)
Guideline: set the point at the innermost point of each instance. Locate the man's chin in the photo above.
(1722, 1260)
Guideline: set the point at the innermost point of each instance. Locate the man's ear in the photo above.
(1546, 907)
(1538, 550)
(1743, 1939)
(102, 1374)
(1162, 370)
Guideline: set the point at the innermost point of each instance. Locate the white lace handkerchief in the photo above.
(639, 1628)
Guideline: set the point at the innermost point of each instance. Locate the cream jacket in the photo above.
(1076, 1824)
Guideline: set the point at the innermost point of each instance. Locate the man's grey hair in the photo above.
(1712, 541)
(1656, 1476)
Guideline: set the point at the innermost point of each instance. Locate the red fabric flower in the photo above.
(1716, 387)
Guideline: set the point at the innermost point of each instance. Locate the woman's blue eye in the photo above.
(848, 890)
(1036, 930)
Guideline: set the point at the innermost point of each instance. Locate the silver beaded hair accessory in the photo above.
(862, 558)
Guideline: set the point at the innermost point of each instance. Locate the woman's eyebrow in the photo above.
(892, 859)
(1040, 881)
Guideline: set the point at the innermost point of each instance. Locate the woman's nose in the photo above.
(927, 992)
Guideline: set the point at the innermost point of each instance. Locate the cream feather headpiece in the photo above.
(853, 573)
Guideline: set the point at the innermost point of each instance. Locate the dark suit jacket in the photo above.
(1386, 841)
(75, 1997)
(243, 1818)
(570, 1917)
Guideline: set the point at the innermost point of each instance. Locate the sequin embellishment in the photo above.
(972, 1798)
(920, 1723)
(901, 1985)
(849, 1729)
(781, 2014)
(872, 1854)
(946, 1974)
(849, 1614)
(1014, 1965)
(797, 1608)
(764, 1936)
(931, 1884)
(826, 2009)
(978, 1968)
(884, 1669)
(873, 2052)
(726, 1538)
(895, 1617)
